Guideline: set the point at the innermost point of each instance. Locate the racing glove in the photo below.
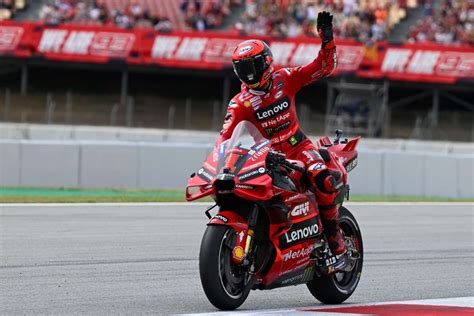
(324, 26)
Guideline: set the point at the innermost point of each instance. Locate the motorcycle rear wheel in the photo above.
(221, 279)
(337, 287)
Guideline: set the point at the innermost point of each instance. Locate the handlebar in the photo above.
(279, 159)
(289, 165)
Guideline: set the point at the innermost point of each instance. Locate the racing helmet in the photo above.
(252, 61)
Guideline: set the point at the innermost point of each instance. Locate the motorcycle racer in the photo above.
(267, 99)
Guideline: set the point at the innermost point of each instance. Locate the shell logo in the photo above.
(238, 253)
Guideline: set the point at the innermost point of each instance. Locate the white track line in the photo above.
(210, 203)
(467, 302)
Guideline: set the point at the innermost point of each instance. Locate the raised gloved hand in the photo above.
(324, 26)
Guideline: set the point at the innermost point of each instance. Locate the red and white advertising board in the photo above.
(213, 51)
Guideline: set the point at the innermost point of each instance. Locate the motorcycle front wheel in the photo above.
(222, 280)
(337, 287)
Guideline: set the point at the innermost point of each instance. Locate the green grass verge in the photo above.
(35, 195)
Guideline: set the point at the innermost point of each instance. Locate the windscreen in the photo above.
(245, 141)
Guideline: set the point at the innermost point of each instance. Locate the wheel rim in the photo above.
(231, 277)
(347, 280)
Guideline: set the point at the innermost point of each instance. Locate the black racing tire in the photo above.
(338, 287)
(221, 288)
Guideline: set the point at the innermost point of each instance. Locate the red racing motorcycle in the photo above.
(267, 232)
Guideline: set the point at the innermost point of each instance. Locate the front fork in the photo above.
(252, 220)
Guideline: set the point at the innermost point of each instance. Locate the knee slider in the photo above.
(318, 172)
(325, 180)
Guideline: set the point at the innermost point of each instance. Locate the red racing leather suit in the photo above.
(274, 113)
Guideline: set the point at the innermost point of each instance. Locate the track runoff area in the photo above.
(458, 306)
(141, 258)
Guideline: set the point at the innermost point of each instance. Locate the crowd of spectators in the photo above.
(357, 19)
(208, 15)
(443, 21)
(450, 23)
(197, 14)
(96, 12)
(8, 8)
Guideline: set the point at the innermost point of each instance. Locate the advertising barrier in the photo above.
(193, 50)
(431, 63)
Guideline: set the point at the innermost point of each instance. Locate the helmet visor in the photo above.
(250, 70)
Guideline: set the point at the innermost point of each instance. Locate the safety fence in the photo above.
(167, 165)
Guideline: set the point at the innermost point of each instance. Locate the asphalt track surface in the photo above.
(136, 259)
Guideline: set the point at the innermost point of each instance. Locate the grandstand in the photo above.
(8, 8)
(441, 21)
(405, 67)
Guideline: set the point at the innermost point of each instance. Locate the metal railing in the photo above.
(155, 112)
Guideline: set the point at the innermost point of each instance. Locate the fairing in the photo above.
(241, 159)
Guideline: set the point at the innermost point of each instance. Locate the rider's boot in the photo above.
(339, 260)
(328, 184)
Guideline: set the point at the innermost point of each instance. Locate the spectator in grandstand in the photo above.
(202, 17)
(65, 9)
(297, 11)
(134, 14)
(187, 5)
(81, 13)
(354, 19)
(453, 23)
(98, 12)
(62, 11)
(122, 20)
(162, 24)
(50, 15)
(7, 9)
(7, 4)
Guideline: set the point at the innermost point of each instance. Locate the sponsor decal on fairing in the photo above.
(351, 165)
(302, 233)
(303, 252)
(244, 186)
(300, 278)
(264, 143)
(205, 174)
(252, 174)
(301, 209)
(220, 217)
(259, 153)
(299, 232)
